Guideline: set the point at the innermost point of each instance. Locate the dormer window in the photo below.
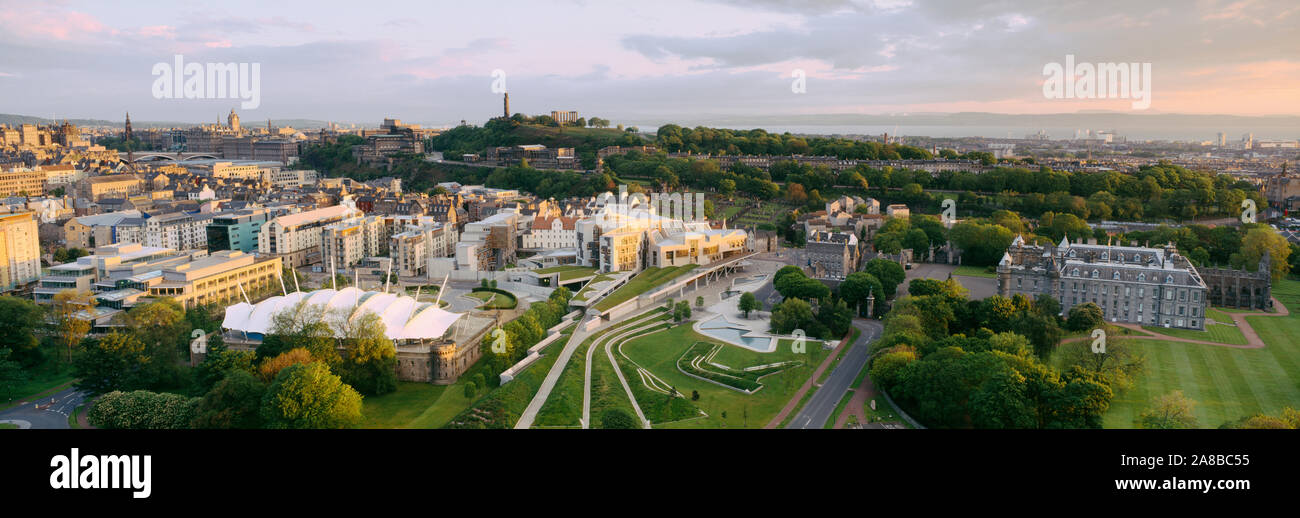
(1075, 272)
(1142, 277)
(1095, 273)
(1072, 254)
(1115, 276)
(1169, 279)
(1105, 256)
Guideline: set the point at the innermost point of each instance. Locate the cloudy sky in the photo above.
(432, 61)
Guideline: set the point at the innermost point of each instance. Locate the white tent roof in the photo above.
(403, 317)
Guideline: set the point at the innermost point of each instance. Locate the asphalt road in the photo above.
(817, 411)
(49, 415)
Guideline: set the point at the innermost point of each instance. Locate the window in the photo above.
(1169, 279)
(1115, 276)
(1105, 256)
(1095, 273)
(1074, 272)
(1142, 277)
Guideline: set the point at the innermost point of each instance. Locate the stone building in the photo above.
(1139, 285)
(832, 255)
(1241, 289)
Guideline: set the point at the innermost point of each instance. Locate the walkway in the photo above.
(823, 402)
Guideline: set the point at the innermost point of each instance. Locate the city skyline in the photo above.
(727, 59)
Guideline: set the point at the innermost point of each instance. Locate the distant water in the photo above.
(1053, 132)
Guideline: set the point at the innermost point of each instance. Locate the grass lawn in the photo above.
(1221, 333)
(8, 426)
(494, 300)
(400, 409)
(588, 288)
(883, 412)
(563, 408)
(1226, 383)
(1218, 315)
(974, 271)
(567, 272)
(658, 353)
(643, 282)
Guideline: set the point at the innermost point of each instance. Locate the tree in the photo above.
(306, 395)
(1084, 317)
(118, 361)
(20, 318)
(699, 302)
(232, 403)
(861, 288)
(1170, 411)
(11, 373)
(889, 273)
(370, 358)
(68, 325)
(748, 302)
(271, 367)
(617, 419)
(471, 390)
(1259, 240)
(681, 311)
(142, 410)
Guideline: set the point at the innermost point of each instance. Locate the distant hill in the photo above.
(14, 120)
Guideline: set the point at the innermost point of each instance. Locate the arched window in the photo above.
(1142, 277)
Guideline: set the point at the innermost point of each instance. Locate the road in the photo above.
(817, 411)
(48, 416)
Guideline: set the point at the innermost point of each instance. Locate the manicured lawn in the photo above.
(564, 405)
(8, 426)
(1226, 383)
(643, 282)
(494, 300)
(567, 272)
(659, 352)
(974, 271)
(1221, 333)
(588, 288)
(400, 409)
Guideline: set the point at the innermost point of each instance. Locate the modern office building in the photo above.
(20, 250)
(297, 237)
(236, 230)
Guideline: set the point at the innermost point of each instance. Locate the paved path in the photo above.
(1253, 341)
(47, 412)
(858, 403)
(824, 400)
(632, 327)
(580, 334)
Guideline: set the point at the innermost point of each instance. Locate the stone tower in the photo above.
(506, 109)
(127, 135)
(233, 121)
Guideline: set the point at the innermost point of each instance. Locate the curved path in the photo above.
(632, 328)
(1253, 341)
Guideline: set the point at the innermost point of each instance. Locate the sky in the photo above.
(432, 61)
